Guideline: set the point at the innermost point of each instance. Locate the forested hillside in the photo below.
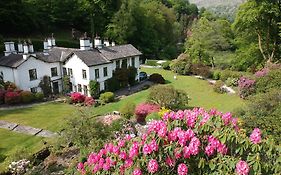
(213, 3)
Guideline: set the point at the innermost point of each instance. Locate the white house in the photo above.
(26, 68)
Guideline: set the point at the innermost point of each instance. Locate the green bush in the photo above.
(167, 96)
(166, 65)
(269, 81)
(232, 82)
(182, 65)
(106, 97)
(39, 96)
(216, 75)
(112, 84)
(94, 88)
(264, 110)
(218, 87)
(151, 62)
(225, 74)
(27, 96)
(201, 69)
(128, 110)
(156, 78)
(153, 116)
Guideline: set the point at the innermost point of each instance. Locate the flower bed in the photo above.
(188, 142)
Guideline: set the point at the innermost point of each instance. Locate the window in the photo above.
(74, 88)
(84, 74)
(85, 88)
(117, 64)
(79, 88)
(124, 63)
(97, 73)
(70, 73)
(32, 74)
(64, 71)
(133, 62)
(1, 76)
(105, 72)
(54, 71)
(33, 90)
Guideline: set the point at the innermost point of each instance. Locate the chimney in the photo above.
(50, 43)
(98, 42)
(45, 43)
(25, 48)
(30, 46)
(20, 47)
(113, 43)
(10, 48)
(85, 42)
(106, 43)
(53, 40)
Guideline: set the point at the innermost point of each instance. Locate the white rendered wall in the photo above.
(102, 78)
(8, 74)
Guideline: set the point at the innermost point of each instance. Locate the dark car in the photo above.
(143, 76)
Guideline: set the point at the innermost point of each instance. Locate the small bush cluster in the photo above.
(144, 109)
(166, 65)
(218, 87)
(246, 87)
(78, 98)
(106, 97)
(182, 65)
(12, 97)
(128, 110)
(269, 81)
(201, 69)
(156, 78)
(27, 96)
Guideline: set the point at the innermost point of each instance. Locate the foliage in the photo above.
(191, 141)
(167, 96)
(225, 74)
(128, 110)
(201, 69)
(144, 109)
(45, 85)
(216, 75)
(151, 62)
(94, 88)
(27, 97)
(77, 97)
(12, 98)
(269, 81)
(89, 101)
(246, 87)
(39, 96)
(153, 116)
(166, 65)
(66, 84)
(156, 78)
(232, 82)
(218, 87)
(264, 110)
(182, 65)
(124, 76)
(2, 96)
(132, 73)
(107, 97)
(10, 86)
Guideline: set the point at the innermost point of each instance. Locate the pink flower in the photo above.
(121, 143)
(242, 168)
(186, 152)
(80, 166)
(128, 163)
(226, 118)
(210, 150)
(154, 145)
(222, 148)
(137, 171)
(146, 149)
(170, 162)
(152, 166)
(106, 167)
(133, 153)
(123, 155)
(182, 169)
(255, 137)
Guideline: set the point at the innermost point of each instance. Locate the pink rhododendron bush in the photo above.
(188, 142)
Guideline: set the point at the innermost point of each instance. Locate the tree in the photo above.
(66, 84)
(94, 88)
(45, 85)
(260, 18)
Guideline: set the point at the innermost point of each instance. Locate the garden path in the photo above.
(26, 129)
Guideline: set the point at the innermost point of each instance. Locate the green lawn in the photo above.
(11, 142)
(48, 116)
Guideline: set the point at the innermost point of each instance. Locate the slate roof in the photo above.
(13, 60)
(120, 51)
(91, 57)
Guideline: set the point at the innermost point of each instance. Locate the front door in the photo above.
(56, 87)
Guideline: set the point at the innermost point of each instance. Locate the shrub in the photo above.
(156, 78)
(216, 75)
(182, 65)
(232, 82)
(112, 84)
(144, 109)
(151, 62)
(76, 97)
(269, 81)
(201, 69)
(166, 65)
(225, 74)
(66, 84)
(153, 116)
(246, 87)
(45, 85)
(218, 87)
(27, 96)
(94, 88)
(39, 96)
(107, 97)
(128, 110)
(12, 98)
(89, 101)
(2, 96)
(167, 96)
(261, 73)
(263, 110)
(9, 86)
(132, 73)
(188, 142)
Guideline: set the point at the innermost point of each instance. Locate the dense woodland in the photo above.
(159, 28)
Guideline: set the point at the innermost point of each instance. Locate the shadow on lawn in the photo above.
(15, 111)
(2, 156)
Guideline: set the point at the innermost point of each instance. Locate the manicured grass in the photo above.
(11, 143)
(49, 116)
(200, 92)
